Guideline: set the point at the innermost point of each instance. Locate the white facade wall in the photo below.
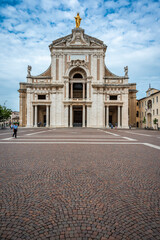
(60, 78)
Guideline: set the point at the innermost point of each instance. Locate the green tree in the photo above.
(144, 120)
(5, 113)
(155, 121)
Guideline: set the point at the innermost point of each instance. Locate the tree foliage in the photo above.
(155, 121)
(144, 120)
(5, 113)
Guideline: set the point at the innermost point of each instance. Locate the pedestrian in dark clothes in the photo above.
(15, 129)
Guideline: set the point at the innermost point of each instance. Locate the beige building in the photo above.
(148, 109)
(14, 117)
(77, 89)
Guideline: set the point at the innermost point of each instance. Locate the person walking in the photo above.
(12, 129)
(15, 129)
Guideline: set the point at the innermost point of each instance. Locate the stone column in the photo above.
(83, 91)
(118, 116)
(65, 116)
(28, 108)
(35, 114)
(71, 90)
(71, 119)
(88, 90)
(50, 116)
(67, 92)
(107, 116)
(83, 124)
(121, 116)
(47, 115)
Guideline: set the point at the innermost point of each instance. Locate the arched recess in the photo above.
(149, 120)
(77, 83)
(77, 71)
(149, 103)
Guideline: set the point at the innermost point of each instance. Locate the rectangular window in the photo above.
(153, 112)
(113, 97)
(145, 103)
(157, 111)
(41, 97)
(153, 100)
(157, 99)
(142, 104)
(142, 114)
(145, 114)
(139, 105)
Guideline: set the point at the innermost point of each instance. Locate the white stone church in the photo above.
(77, 90)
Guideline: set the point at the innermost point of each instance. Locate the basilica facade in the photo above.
(77, 90)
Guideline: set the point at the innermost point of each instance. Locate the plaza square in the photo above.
(80, 183)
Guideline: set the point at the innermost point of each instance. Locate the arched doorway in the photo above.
(149, 120)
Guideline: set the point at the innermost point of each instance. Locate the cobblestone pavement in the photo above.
(80, 184)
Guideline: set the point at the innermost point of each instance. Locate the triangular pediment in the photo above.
(78, 38)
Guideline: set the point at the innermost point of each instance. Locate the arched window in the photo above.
(77, 75)
(149, 104)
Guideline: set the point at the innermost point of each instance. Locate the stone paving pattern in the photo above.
(79, 192)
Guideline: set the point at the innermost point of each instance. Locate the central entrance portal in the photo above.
(77, 116)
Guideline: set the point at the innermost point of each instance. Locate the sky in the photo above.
(130, 29)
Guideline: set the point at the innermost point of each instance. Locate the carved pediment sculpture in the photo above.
(77, 38)
(78, 63)
(94, 43)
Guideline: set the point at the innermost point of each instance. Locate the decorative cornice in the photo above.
(77, 101)
(41, 77)
(109, 103)
(22, 90)
(31, 85)
(115, 78)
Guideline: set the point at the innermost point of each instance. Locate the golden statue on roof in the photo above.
(78, 20)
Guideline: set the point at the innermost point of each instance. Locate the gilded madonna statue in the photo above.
(78, 20)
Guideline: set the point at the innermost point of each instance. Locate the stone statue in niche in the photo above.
(126, 71)
(29, 71)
